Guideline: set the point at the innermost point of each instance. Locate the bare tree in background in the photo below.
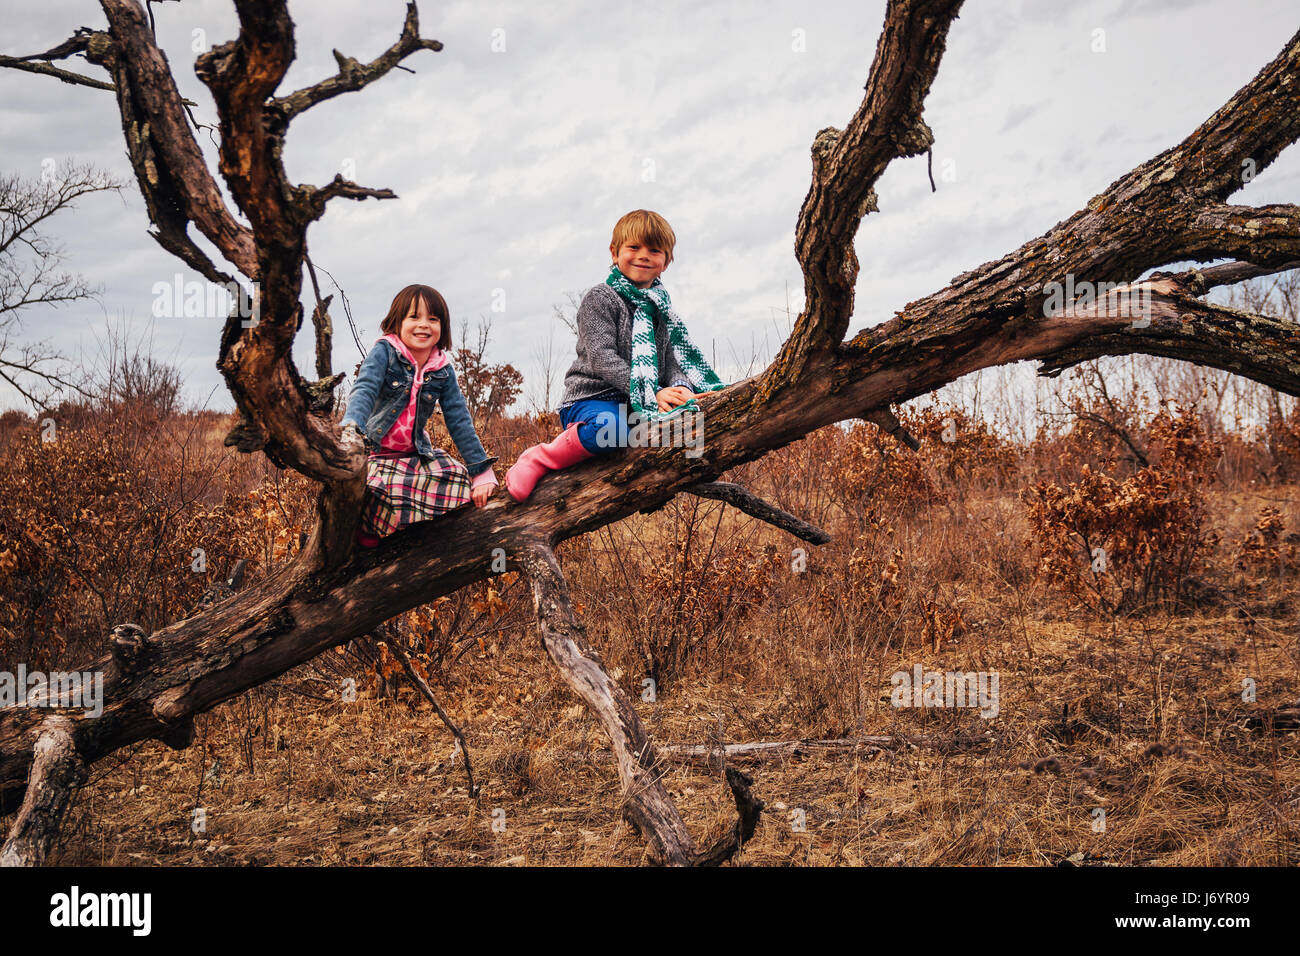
(127, 370)
(489, 389)
(31, 274)
(548, 357)
(1171, 209)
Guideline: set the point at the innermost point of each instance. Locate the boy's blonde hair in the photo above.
(642, 225)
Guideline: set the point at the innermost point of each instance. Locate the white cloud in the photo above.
(511, 167)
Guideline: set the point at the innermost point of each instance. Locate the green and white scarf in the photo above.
(644, 382)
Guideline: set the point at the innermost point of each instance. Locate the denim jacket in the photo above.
(382, 391)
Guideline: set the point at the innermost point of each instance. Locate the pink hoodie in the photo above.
(400, 436)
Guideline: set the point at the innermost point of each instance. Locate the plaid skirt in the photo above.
(401, 489)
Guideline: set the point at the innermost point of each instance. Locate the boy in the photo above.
(631, 352)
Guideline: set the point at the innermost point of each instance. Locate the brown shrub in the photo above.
(1120, 545)
(127, 517)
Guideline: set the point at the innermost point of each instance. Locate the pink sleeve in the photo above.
(483, 478)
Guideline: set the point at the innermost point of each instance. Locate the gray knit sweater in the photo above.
(604, 363)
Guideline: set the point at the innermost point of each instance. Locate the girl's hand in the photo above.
(481, 494)
(673, 396)
(352, 435)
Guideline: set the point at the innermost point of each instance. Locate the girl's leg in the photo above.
(367, 531)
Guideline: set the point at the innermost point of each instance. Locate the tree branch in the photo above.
(256, 360)
(353, 75)
(888, 422)
(1201, 281)
(646, 803)
(57, 771)
(1241, 139)
(1182, 326)
(320, 319)
(79, 43)
(846, 165)
(748, 808)
(48, 69)
(339, 186)
(423, 687)
(757, 750)
(169, 164)
(745, 500)
(996, 313)
(1263, 235)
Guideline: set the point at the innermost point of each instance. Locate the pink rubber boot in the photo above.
(563, 451)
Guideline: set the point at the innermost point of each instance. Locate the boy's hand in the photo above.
(673, 396)
(481, 494)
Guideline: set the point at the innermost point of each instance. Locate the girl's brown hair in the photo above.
(433, 301)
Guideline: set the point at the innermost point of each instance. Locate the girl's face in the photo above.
(421, 330)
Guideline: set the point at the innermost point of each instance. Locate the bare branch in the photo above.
(1241, 139)
(888, 422)
(79, 43)
(1263, 235)
(646, 802)
(47, 69)
(33, 362)
(846, 165)
(290, 425)
(1182, 326)
(758, 750)
(339, 186)
(1147, 218)
(1200, 281)
(353, 75)
(57, 771)
(745, 500)
(173, 176)
(320, 317)
(423, 687)
(24, 205)
(35, 279)
(748, 808)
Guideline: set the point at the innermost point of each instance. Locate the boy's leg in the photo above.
(604, 424)
(599, 419)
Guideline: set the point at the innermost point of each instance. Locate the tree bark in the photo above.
(57, 771)
(647, 804)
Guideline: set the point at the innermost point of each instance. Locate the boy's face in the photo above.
(640, 262)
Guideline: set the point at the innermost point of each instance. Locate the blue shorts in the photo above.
(604, 425)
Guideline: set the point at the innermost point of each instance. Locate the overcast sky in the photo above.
(514, 150)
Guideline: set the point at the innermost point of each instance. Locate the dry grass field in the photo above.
(1123, 734)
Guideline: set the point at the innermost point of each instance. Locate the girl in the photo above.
(407, 373)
